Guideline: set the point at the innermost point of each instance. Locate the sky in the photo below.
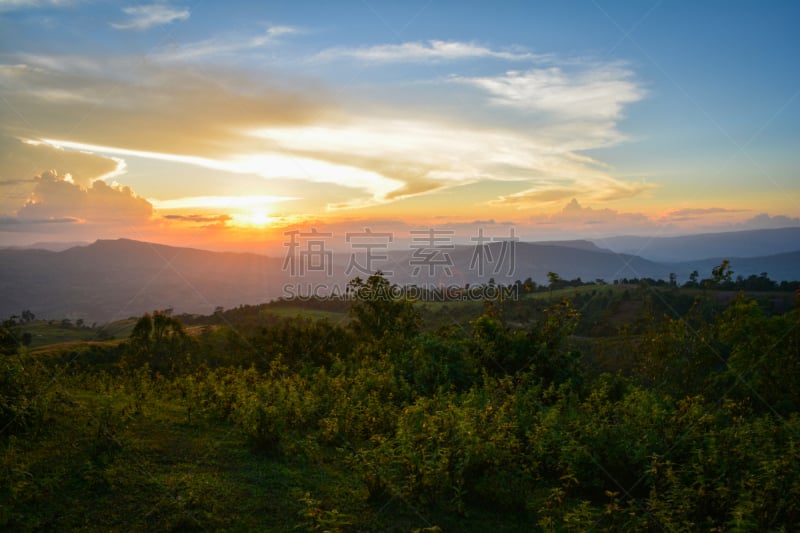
(227, 125)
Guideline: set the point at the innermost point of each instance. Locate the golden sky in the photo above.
(226, 128)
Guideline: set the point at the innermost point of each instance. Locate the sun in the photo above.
(254, 218)
(259, 219)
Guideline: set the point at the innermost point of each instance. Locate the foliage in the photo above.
(160, 341)
(381, 423)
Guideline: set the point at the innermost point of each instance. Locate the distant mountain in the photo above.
(52, 246)
(779, 266)
(579, 260)
(752, 243)
(112, 279)
(109, 280)
(580, 244)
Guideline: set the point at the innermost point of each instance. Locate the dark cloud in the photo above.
(199, 219)
(12, 221)
(699, 211)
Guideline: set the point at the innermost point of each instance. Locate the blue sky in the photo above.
(657, 117)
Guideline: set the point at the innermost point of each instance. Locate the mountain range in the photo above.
(749, 243)
(112, 279)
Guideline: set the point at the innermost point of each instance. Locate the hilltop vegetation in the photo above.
(631, 407)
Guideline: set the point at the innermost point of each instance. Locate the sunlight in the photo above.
(237, 204)
(271, 165)
(254, 218)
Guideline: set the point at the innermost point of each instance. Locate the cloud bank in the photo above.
(58, 197)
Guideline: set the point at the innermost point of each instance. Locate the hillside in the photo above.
(778, 266)
(116, 279)
(751, 243)
(109, 280)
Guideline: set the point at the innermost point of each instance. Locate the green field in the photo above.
(314, 314)
(590, 409)
(46, 333)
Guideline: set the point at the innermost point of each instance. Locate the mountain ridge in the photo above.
(117, 278)
(701, 246)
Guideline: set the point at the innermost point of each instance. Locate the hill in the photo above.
(109, 280)
(784, 266)
(115, 279)
(532, 260)
(752, 243)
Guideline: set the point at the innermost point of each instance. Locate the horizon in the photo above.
(338, 247)
(229, 128)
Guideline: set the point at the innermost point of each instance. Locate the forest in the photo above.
(636, 406)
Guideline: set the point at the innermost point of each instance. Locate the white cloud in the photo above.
(241, 126)
(223, 45)
(271, 165)
(424, 51)
(13, 5)
(593, 186)
(220, 202)
(146, 16)
(423, 156)
(594, 92)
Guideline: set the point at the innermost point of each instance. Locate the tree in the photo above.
(379, 309)
(554, 280)
(8, 342)
(159, 340)
(528, 285)
(721, 273)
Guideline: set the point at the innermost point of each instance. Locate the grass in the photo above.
(48, 333)
(130, 469)
(314, 314)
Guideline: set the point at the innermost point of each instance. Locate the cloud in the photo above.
(701, 211)
(417, 51)
(223, 45)
(248, 202)
(57, 197)
(21, 162)
(765, 221)
(14, 5)
(591, 92)
(593, 188)
(14, 221)
(424, 156)
(535, 197)
(124, 102)
(205, 221)
(146, 16)
(224, 119)
(577, 219)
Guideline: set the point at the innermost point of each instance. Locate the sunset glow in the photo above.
(236, 125)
